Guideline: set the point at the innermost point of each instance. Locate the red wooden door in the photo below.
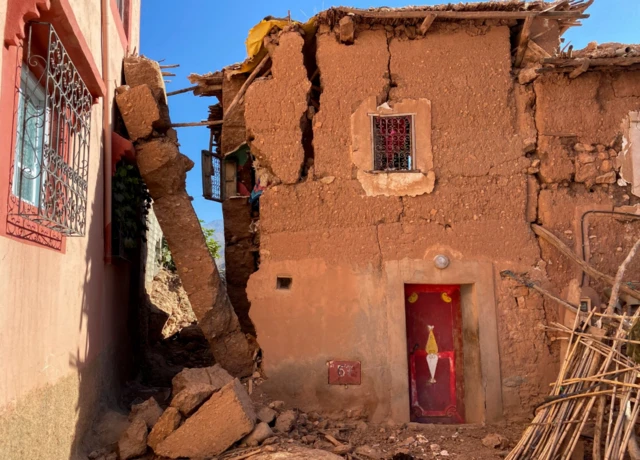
(434, 344)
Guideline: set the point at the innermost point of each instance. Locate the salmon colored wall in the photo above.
(62, 314)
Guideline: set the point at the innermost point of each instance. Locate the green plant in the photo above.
(166, 260)
(131, 204)
(212, 244)
(214, 248)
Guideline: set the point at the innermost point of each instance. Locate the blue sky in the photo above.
(206, 35)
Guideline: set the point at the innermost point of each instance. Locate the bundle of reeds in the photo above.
(597, 390)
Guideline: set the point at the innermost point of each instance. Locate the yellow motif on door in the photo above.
(446, 297)
(413, 297)
(432, 345)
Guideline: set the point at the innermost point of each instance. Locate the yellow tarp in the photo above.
(255, 40)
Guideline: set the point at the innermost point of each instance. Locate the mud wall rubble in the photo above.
(505, 155)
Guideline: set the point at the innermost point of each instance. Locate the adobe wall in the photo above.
(239, 256)
(494, 176)
(63, 314)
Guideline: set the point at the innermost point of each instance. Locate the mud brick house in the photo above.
(379, 171)
(63, 295)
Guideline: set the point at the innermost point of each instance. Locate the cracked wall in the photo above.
(504, 155)
(274, 108)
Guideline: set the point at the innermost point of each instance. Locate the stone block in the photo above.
(347, 30)
(266, 414)
(133, 442)
(191, 397)
(166, 424)
(162, 166)
(261, 432)
(138, 70)
(139, 110)
(215, 376)
(225, 418)
(149, 411)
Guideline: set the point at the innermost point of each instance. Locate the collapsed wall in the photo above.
(143, 107)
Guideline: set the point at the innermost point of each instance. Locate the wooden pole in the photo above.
(523, 41)
(197, 123)
(587, 268)
(462, 14)
(428, 20)
(246, 84)
(184, 90)
(170, 66)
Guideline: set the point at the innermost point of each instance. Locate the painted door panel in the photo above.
(434, 342)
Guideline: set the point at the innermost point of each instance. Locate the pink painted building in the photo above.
(64, 296)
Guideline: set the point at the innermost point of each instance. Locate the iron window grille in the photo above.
(51, 165)
(393, 142)
(212, 176)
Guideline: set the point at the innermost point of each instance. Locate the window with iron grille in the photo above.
(393, 145)
(51, 162)
(212, 176)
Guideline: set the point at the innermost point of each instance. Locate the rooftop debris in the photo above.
(567, 12)
(594, 57)
(596, 391)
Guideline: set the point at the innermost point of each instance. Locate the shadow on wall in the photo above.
(107, 327)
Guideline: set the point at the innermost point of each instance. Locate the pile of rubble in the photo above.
(211, 415)
(209, 412)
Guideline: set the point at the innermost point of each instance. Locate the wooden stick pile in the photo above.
(596, 393)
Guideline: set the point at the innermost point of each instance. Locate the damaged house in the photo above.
(380, 170)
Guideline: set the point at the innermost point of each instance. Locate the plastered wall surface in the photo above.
(505, 155)
(63, 314)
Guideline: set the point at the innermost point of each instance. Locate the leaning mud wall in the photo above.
(504, 155)
(146, 114)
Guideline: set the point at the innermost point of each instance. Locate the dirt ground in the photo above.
(398, 442)
(360, 440)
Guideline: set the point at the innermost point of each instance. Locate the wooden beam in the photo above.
(616, 61)
(184, 90)
(586, 267)
(462, 14)
(523, 41)
(197, 123)
(575, 73)
(246, 84)
(168, 74)
(428, 20)
(170, 66)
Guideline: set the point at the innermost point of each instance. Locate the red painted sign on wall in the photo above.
(344, 372)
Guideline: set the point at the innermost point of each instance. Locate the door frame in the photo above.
(483, 386)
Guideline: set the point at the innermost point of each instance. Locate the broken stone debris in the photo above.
(134, 440)
(191, 397)
(221, 421)
(167, 424)
(149, 411)
(215, 376)
(227, 423)
(266, 414)
(285, 421)
(495, 441)
(260, 433)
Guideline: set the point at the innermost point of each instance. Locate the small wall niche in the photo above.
(283, 283)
